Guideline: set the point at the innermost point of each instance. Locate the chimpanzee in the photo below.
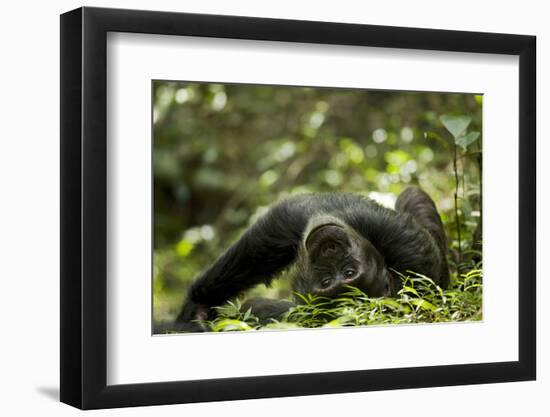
(332, 241)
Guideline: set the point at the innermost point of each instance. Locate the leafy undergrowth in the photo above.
(419, 301)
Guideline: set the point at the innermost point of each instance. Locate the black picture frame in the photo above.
(84, 207)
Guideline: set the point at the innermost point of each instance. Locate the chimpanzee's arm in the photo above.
(404, 242)
(265, 249)
(422, 208)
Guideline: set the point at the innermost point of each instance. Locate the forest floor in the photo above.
(420, 300)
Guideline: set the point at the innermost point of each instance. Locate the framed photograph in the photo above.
(257, 208)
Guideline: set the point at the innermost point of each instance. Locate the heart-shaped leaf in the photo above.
(455, 124)
(466, 140)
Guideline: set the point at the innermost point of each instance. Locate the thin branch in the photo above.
(457, 219)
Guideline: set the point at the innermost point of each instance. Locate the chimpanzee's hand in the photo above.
(193, 318)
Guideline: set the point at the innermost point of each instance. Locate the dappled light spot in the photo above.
(333, 177)
(316, 120)
(207, 232)
(379, 135)
(407, 134)
(285, 151)
(371, 151)
(219, 101)
(385, 199)
(426, 155)
(268, 178)
(182, 95)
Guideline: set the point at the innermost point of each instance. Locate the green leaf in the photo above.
(281, 326)
(228, 325)
(230, 309)
(247, 314)
(339, 322)
(455, 124)
(407, 289)
(388, 302)
(466, 140)
(423, 304)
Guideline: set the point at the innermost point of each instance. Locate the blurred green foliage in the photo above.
(224, 153)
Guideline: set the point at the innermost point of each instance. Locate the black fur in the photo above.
(266, 309)
(409, 238)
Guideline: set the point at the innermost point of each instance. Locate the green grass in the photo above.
(419, 301)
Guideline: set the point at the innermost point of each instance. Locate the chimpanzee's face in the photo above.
(333, 256)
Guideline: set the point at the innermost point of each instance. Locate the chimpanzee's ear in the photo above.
(319, 220)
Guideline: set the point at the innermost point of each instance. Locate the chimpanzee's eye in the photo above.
(326, 282)
(348, 273)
